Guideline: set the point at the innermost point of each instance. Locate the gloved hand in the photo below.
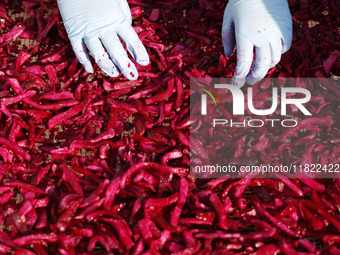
(98, 23)
(265, 24)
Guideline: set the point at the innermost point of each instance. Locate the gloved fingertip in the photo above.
(238, 82)
(143, 62)
(139, 53)
(257, 74)
(88, 68)
(131, 74)
(130, 71)
(251, 80)
(112, 73)
(108, 67)
(228, 52)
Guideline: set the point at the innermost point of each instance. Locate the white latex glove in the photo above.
(98, 23)
(265, 24)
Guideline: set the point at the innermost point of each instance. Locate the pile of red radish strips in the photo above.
(97, 165)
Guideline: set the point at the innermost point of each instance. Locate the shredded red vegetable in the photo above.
(98, 165)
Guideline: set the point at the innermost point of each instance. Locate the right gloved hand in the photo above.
(263, 24)
(98, 23)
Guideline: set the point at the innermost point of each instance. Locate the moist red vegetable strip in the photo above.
(24, 252)
(288, 210)
(43, 202)
(122, 229)
(37, 238)
(267, 249)
(127, 84)
(183, 140)
(110, 133)
(93, 241)
(328, 83)
(190, 250)
(70, 80)
(4, 15)
(118, 93)
(16, 99)
(175, 154)
(219, 234)
(239, 190)
(6, 239)
(25, 208)
(161, 106)
(145, 92)
(322, 211)
(330, 61)
(36, 79)
(60, 118)
(144, 111)
(189, 238)
(4, 198)
(161, 202)
(42, 221)
(94, 196)
(100, 213)
(160, 242)
(12, 35)
(23, 56)
(194, 221)
(122, 105)
(21, 123)
(53, 77)
(291, 185)
(4, 249)
(86, 173)
(113, 117)
(15, 85)
(67, 199)
(313, 184)
(221, 213)
(307, 245)
(111, 193)
(67, 216)
(180, 93)
(52, 20)
(274, 220)
(150, 166)
(145, 228)
(56, 56)
(85, 232)
(315, 222)
(183, 194)
(287, 249)
(324, 122)
(260, 234)
(199, 150)
(163, 96)
(38, 248)
(54, 106)
(15, 148)
(137, 205)
(73, 179)
(58, 96)
(72, 68)
(327, 238)
(96, 205)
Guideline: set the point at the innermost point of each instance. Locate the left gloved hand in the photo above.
(97, 24)
(263, 24)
